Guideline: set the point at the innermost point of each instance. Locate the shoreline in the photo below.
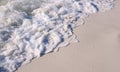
(97, 51)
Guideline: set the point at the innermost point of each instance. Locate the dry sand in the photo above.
(98, 50)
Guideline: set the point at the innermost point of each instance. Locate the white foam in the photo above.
(32, 28)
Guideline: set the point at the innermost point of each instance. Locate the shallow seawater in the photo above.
(33, 28)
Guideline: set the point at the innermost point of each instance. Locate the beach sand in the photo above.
(97, 51)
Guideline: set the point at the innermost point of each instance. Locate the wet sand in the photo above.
(97, 51)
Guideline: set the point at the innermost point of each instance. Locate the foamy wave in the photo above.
(32, 28)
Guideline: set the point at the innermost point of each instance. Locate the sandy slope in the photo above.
(98, 50)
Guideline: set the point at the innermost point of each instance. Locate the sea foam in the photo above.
(32, 28)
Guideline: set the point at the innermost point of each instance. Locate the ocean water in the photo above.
(33, 28)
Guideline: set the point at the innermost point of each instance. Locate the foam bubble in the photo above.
(32, 28)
